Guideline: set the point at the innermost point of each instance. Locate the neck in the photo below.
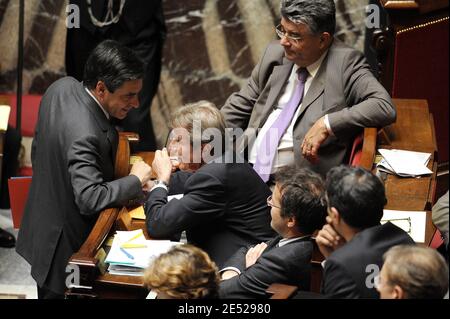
(349, 232)
(293, 234)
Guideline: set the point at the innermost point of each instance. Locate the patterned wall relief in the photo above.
(210, 50)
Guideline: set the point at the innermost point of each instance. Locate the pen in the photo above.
(127, 253)
(134, 237)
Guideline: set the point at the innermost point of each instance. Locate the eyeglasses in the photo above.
(294, 38)
(270, 204)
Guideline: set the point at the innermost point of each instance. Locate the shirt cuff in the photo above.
(159, 185)
(327, 124)
(230, 268)
(323, 263)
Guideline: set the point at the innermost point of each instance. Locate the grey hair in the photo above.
(202, 112)
(318, 15)
(421, 272)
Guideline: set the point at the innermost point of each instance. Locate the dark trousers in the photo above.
(44, 293)
(10, 163)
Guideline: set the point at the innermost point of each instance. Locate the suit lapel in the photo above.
(315, 90)
(277, 82)
(104, 124)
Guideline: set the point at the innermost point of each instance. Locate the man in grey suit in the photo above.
(73, 156)
(308, 97)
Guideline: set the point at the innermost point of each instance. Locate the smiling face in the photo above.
(119, 103)
(308, 48)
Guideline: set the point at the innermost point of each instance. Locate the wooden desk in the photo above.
(413, 131)
(93, 283)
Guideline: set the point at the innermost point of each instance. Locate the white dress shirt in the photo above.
(98, 103)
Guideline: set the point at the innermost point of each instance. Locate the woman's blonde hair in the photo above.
(184, 272)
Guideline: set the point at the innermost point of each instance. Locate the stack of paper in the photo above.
(404, 163)
(131, 253)
(412, 222)
(4, 117)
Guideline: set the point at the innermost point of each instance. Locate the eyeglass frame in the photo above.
(281, 34)
(270, 204)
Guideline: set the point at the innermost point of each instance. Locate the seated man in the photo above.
(309, 96)
(297, 211)
(184, 272)
(224, 205)
(413, 272)
(353, 242)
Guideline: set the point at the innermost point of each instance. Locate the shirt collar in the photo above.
(98, 103)
(314, 67)
(285, 241)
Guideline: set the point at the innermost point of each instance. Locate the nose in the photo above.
(135, 102)
(284, 41)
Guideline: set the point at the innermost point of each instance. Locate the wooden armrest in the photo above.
(369, 148)
(85, 257)
(281, 291)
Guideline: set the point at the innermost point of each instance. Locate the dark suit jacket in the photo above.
(73, 156)
(344, 88)
(349, 271)
(289, 264)
(223, 209)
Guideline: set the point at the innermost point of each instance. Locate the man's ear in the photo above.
(291, 222)
(398, 293)
(325, 39)
(334, 214)
(100, 89)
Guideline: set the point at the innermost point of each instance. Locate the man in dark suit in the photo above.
(138, 25)
(297, 211)
(353, 242)
(73, 154)
(224, 204)
(309, 96)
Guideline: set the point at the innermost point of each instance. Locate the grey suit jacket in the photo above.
(73, 156)
(344, 88)
(289, 264)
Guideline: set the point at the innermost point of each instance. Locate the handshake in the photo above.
(161, 168)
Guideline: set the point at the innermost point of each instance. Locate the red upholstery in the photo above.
(18, 194)
(30, 109)
(355, 156)
(437, 240)
(421, 72)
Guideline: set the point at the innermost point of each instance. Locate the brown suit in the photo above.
(344, 88)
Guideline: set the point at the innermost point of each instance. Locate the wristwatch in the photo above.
(160, 182)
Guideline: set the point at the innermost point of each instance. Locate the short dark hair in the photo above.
(113, 64)
(357, 194)
(301, 197)
(318, 15)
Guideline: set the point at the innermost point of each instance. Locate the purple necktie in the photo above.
(265, 153)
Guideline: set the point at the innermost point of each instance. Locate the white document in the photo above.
(412, 222)
(404, 163)
(4, 117)
(131, 249)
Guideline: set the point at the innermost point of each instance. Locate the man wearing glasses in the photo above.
(309, 96)
(296, 211)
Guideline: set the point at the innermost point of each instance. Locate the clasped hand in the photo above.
(315, 136)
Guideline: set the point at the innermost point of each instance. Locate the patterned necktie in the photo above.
(269, 144)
